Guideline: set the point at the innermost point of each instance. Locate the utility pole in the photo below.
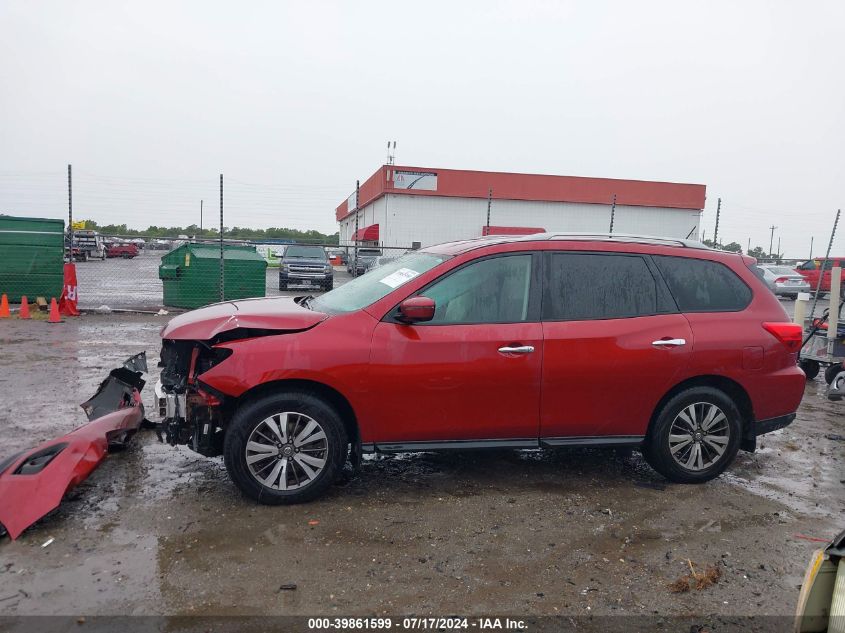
(747, 250)
(771, 239)
(612, 212)
(200, 218)
(778, 258)
(355, 257)
(222, 273)
(489, 202)
(70, 213)
(811, 247)
(716, 232)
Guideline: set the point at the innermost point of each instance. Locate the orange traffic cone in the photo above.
(54, 312)
(24, 311)
(4, 307)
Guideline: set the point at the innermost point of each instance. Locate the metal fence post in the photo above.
(69, 214)
(355, 257)
(222, 273)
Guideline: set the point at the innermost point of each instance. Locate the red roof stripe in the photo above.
(509, 186)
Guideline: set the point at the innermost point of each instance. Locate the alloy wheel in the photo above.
(286, 451)
(699, 436)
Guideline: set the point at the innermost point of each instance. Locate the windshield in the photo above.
(782, 270)
(375, 284)
(311, 252)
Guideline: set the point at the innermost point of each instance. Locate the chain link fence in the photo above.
(174, 272)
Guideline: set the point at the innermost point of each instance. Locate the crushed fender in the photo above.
(33, 483)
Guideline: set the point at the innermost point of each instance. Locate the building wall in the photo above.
(431, 220)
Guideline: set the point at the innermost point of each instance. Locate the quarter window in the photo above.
(582, 286)
(494, 290)
(699, 285)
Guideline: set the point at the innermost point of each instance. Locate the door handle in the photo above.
(670, 342)
(519, 349)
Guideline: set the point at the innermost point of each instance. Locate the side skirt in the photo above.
(466, 445)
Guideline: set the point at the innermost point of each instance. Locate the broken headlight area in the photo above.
(190, 412)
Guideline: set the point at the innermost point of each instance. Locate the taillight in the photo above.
(781, 280)
(790, 334)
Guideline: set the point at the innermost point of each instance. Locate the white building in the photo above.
(411, 206)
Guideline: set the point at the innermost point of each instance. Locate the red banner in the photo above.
(70, 294)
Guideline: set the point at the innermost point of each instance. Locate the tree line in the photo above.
(192, 230)
(733, 247)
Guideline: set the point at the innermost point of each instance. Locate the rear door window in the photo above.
(700, 285)
(583, 286)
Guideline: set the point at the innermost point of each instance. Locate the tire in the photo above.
(303, 411)
(810, 368)
(328, 285)
(673, 417)
(283, 285)
(831, 372)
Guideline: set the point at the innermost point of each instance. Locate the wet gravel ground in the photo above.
(160, 530)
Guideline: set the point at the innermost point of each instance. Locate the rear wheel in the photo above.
(810, 368)
(831, 372)
(695, 436)
(285, 448)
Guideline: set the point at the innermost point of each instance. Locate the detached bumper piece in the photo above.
(33, 483)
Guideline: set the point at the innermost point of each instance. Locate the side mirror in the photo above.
(416, 310)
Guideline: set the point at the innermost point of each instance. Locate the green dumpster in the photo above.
(31, 257)
(190, 274)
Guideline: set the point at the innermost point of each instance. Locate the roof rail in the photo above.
(622, 237)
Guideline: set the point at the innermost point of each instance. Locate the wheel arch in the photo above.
(322, 390)
(731, 388)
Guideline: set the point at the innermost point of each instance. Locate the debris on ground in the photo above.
(835, 437)
(47, 542)
(710, 576)
(812, 539)
(287, 587)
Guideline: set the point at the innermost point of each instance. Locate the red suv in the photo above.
(518, 342)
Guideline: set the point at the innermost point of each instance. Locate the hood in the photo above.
(270, 313)
(305, 260)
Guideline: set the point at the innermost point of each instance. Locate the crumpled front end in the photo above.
(33, 483)
(190, 413)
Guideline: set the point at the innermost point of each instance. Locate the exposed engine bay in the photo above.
(192, 413)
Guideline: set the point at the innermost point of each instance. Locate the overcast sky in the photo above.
(292, 101)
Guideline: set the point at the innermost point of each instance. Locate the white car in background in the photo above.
(783, 280)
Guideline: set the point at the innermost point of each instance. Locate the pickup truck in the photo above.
(811, 269)
(305, 264)
(365, 257)
(126, 251)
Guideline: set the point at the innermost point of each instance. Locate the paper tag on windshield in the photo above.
(401, 276)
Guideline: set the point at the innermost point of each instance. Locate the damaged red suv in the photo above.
(519, 342)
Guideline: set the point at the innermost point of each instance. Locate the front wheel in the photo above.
(695, 437)
(285, 448)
